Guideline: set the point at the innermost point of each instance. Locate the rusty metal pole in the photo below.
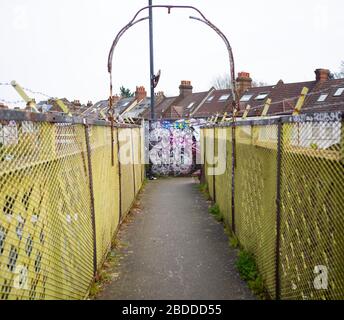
(151, 58)
(119, 175)
(278, 209)
(93, 216)
(214, 175)
(133, 159)
(151, 62)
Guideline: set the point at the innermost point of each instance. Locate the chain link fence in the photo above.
(282, 194)
(60, 202)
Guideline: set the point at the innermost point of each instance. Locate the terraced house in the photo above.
(321, 94)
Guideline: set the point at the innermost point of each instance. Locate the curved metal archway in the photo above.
(201, 19)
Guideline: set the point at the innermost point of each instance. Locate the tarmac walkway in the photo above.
(175, 249)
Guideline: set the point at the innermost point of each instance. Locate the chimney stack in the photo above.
(140, 93)
(322, 75)
(185, 88)
(243, 82)
(76, 103)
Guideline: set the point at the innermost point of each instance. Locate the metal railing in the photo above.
(61, 201)
(286, 205)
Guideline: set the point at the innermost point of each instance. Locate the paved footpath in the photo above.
(175, 249)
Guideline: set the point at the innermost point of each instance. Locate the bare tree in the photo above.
(259, 83)
(223, 82)
(340, 73)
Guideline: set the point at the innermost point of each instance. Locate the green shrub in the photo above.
(215, 211)
(203, 188)
(248, 271)
(314, 146)
(246, 266)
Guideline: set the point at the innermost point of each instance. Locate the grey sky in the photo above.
(60, 47)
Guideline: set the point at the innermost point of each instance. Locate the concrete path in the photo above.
(176, 250)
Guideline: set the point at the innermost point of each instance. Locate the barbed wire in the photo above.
(38, 93)
(33, 92)
(11, 102)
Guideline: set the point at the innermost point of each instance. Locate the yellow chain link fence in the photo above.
(60, 201)
(288, 199)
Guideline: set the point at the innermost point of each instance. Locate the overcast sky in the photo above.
(60, 47)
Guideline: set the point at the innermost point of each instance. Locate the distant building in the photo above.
(322, 94)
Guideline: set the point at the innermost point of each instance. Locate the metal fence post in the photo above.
(142, 165)
(203, 156)
(341, 151)
(133, 159)
(214, 182)
(119, 175)
(233, 176)
(93, 216)
(278, 209)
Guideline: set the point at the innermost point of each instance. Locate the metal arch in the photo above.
(132, 22)
(114, 44)
(230, 53)
(204, 20)
(119, 35)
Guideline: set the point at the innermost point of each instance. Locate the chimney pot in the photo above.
(322, 75)
(185, 88)
(140, 93)
(243, 75)
(243, 82)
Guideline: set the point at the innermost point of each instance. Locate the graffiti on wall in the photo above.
(174, 146)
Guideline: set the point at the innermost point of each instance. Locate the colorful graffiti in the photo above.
(174, 146)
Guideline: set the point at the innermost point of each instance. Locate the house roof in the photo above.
(52, 106)
(321, 96)
(124, 104)
(331, 102)
(191, 102)
(121, 104)
(255, 104)
(142, 109)
(139, 109)
(284, 97)
(161, 108)
(218, 102)
(3, 106)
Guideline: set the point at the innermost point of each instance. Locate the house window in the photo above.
(339, 92)
(246, 97)
(190, 105)
(261, 96)
(210, 99)
(224, 97)
(322, 97)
